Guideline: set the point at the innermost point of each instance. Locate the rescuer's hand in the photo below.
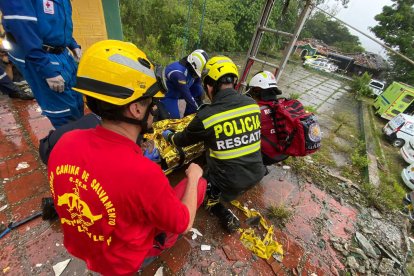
(56, 83)
(77, 54)
(153, 155)
(167, 134)
(194, 172)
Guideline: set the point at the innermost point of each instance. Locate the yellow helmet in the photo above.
(218, 66)
(117, 72)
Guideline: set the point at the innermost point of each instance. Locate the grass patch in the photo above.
(391, 189)
(372, 196)
(279, 214)
(312, 171)
(310, 109)
(294, 96)
(359, 158)
(388, 196)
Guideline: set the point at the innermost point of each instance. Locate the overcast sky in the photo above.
(360, 14)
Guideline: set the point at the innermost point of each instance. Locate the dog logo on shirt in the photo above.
(48, 7)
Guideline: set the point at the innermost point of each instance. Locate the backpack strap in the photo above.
(274, 124)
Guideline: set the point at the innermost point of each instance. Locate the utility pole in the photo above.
(260, 29)
(370, 37)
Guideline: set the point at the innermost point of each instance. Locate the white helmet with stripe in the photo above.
(197, 59)
(263, 80)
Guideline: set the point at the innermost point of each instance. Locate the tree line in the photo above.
(175, 27)
(170, 29)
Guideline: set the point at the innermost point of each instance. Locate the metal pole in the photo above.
(200, 32)
(299, 26)
(187, 29)
(255, 43)
(370, 37)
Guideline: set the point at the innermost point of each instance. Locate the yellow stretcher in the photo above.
(173, 157)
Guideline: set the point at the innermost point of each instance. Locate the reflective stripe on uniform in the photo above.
(17, 59)
(227, 115)
(57, 112)
(20, 17)
(169, 74)
(201, 58)
(235, 153)
(2, 76)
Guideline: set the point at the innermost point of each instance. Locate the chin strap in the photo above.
(143, 122)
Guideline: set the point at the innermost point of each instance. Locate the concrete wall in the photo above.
(88, 22)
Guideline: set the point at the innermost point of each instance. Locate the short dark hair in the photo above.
(110, 111)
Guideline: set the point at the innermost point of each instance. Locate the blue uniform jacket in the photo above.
(181, 85)
(31, 23)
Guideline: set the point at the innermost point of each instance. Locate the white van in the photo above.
(407, 151)
(399, 130)
(376, 87)
(407, 175)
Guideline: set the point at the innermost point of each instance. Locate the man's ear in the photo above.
(135, 109)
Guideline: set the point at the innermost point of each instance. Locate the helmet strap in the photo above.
(143, 122)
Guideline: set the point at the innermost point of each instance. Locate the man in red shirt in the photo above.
(116, 206)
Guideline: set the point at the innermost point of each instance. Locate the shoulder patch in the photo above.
(48, 7)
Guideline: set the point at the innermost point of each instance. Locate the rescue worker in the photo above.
(11, 81)
(263, 89)
(116, 207)
(230, 129)
(40, 31)
(7, 86)
(183, 82)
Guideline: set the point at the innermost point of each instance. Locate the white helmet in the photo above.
(197, 59)
(263, 80)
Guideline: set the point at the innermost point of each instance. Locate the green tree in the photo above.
(396, 28)
(331, 32)
(166, 30)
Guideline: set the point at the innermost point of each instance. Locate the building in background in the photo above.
(349, 63)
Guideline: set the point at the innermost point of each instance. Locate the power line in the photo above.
(370, 37)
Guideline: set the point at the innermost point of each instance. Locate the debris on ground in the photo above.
(195, 233)
(60, 267)
(205, 247)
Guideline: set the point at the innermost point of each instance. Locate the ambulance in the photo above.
(397, 98)
(399, 130)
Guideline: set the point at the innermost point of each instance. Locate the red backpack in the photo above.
(293, 131)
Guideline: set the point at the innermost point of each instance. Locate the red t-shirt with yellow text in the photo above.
(110, 200)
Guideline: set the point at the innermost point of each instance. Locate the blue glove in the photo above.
(153, 156)
(167, 134)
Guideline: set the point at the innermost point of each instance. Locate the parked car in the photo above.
(314, 57)
(376, 86)
(321, 64)
(407, 176)
(399, 130)
(407, 151)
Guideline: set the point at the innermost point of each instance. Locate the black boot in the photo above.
(228, 220)
(48, 208)
(212, 197)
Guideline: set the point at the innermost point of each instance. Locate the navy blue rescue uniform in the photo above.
(47, 143)
(6, 84)
(181, 85)
(230, 129)
(31, 24)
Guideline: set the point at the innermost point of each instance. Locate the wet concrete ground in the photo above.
(36, 246)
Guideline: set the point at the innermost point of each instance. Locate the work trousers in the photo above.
(165, 240)
(60, 108)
